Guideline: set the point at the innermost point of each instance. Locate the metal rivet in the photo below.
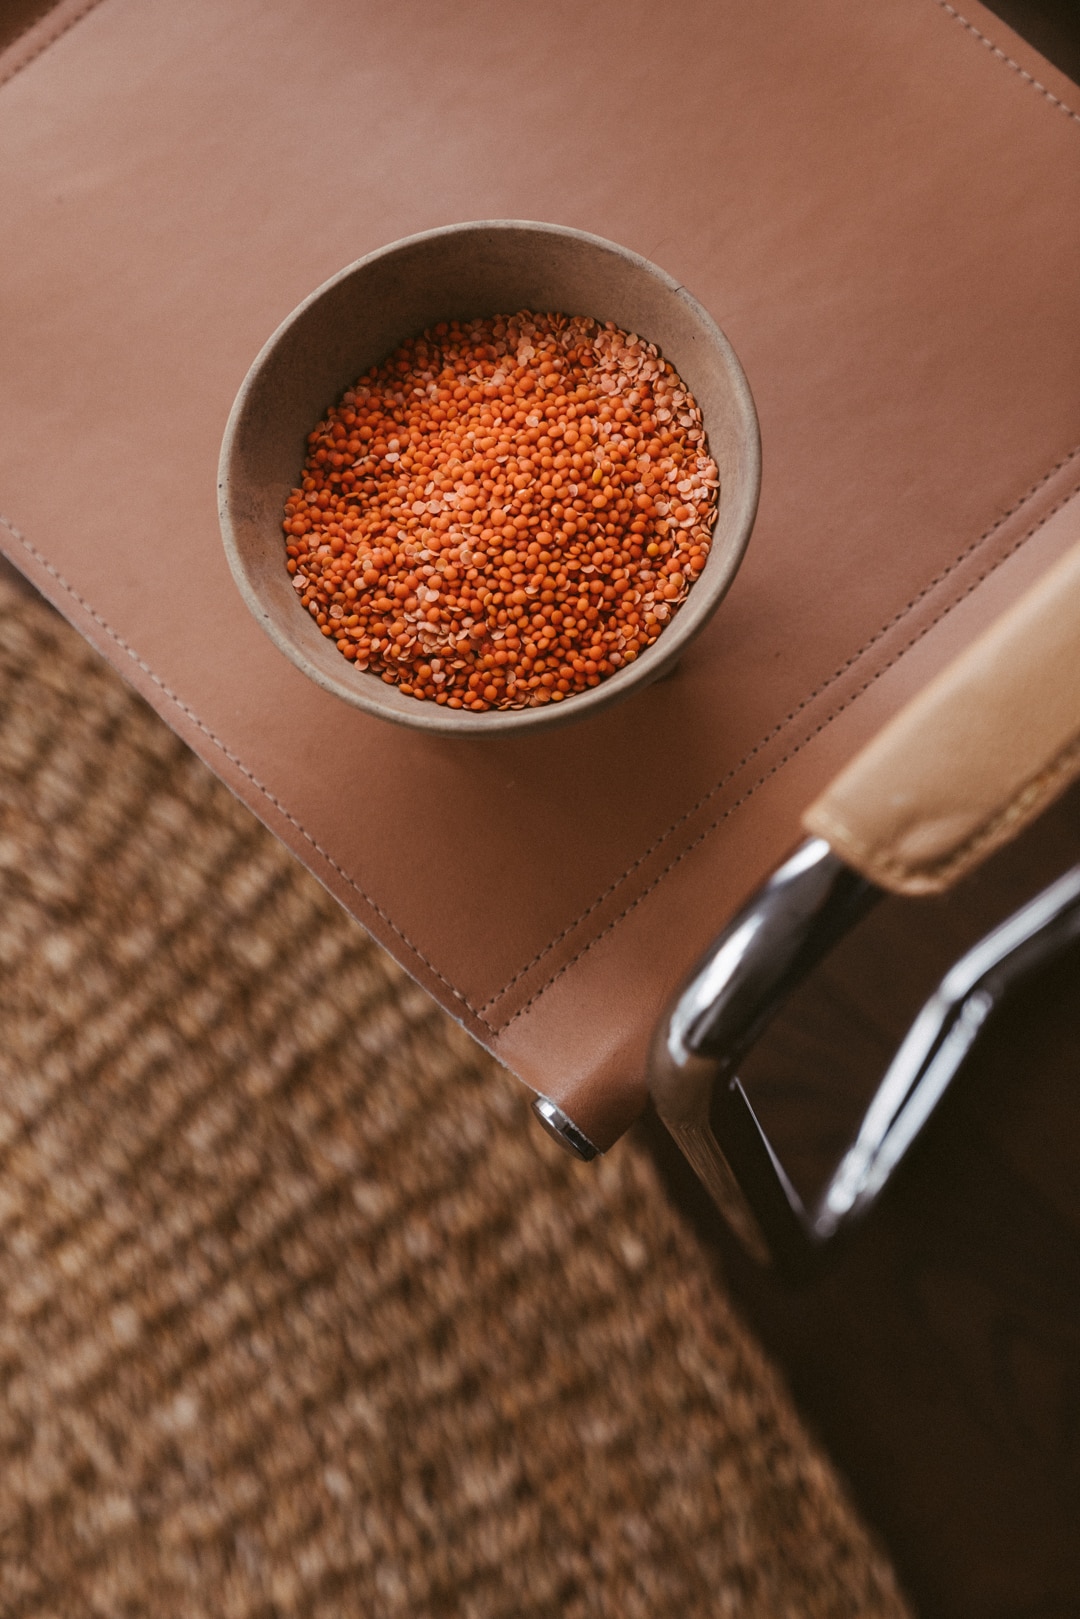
(564, 1130)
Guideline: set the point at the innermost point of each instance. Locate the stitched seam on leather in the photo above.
(45, 44)
(996, 50)
(777, 729)
(239, 764)
(901, 652)
(1026, 803)
(688, 814)
(28, 28)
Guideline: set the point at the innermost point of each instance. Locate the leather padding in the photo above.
(974, 757)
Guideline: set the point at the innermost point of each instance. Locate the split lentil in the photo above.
(505, 511)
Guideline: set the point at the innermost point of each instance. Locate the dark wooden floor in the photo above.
(939, 1356)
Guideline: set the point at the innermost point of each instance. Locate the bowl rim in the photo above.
(651, 665)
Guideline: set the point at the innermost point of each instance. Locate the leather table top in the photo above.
(879, 204)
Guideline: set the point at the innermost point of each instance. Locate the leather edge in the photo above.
(958, 773)
(40, 35)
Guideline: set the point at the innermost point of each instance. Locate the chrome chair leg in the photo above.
(729, 1000)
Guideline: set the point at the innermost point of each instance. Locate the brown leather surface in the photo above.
(975, 756)
(879, 205)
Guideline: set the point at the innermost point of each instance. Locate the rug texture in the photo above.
(299, 1314)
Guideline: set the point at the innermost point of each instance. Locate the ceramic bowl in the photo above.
(460, 272)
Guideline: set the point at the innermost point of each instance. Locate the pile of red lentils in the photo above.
(505, 511)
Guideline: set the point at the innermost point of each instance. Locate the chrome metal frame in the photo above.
(766, 950)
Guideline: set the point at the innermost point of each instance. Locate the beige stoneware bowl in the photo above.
(458, 273)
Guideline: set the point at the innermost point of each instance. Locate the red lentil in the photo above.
(505, 511)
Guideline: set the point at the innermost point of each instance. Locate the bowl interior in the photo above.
(460, 273)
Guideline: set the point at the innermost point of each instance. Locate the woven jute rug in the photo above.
(299, 1315)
